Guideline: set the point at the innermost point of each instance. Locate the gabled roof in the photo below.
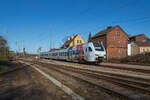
(106, 31)
(134, 37)
(103, 32)
(143, 43)
(137, 35)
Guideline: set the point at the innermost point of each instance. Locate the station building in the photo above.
(115, 41)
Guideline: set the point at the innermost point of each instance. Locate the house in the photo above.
(133, 49)
(74, 40)
(144, 46)
(115, 41)
(138, 38)
(138, 44)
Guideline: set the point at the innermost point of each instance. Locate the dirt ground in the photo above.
(24, 83)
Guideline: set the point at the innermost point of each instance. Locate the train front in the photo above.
(100, 52)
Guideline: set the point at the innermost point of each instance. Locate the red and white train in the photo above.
(88, 52)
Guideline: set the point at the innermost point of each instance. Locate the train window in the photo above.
(90, 49)
(78, 52)
(86, 50)
(98, 46)
(73, 52)
(83, 52)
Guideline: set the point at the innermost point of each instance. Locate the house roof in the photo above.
(103, 32)
(69, 41)
(106, 31)
(143, 43)
(137, 35)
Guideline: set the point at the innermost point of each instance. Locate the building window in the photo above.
(147, 50)
(80, 41)
(119, 51)
(118, 33)
(77, 41)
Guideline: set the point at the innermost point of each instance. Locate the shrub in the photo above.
(137, 59)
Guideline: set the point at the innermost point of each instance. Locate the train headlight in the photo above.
(104, 56)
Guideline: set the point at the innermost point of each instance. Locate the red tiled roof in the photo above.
(104, 32)
(143, 43)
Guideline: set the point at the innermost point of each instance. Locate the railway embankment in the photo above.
(21, 82)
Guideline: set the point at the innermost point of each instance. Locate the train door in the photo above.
(70, 54)
(89, 54)
(86, 54)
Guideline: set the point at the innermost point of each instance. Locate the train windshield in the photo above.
(98, 46)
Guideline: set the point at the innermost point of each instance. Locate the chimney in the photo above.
(68, 38)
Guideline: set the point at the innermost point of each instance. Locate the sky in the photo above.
(30, 22)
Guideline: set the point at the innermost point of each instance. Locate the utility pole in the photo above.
(24, 51)
(16, 43)
(50, 37)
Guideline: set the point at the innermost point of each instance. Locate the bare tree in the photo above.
(3, 42)
(3, 47)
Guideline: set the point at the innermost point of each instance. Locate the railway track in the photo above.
(120, 81)
(138, 69)
(111, 73)
(127, 68)
(139, 86)
(107, 90)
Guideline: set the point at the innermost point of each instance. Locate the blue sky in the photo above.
(29, 21)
